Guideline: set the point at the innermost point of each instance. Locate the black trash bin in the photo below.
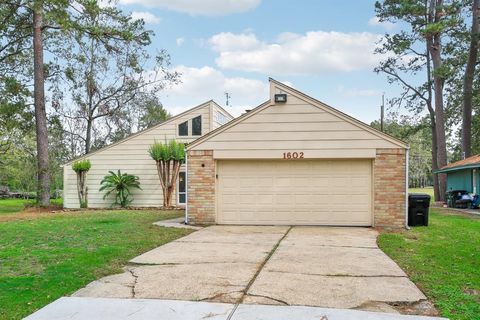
(418, 205)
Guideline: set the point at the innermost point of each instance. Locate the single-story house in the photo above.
(294, 160)
(463, 174)
(130, 155)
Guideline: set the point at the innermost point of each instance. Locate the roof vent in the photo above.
(281, 97)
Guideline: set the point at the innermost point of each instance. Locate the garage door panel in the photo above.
(322, 192)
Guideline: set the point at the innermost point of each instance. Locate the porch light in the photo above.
(281, 97)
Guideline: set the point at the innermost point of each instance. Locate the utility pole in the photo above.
(382, 112)
(227, 96)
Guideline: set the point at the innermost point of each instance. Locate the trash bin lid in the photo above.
(418, 196)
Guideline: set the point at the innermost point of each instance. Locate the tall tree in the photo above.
(14, 94)
(418, 50)
(469, 79)
(45, 23)
(43, 190)
(151, 112)
(104, 76)
(440, 17)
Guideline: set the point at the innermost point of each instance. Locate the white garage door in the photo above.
(302, 192)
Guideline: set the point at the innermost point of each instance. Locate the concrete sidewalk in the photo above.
(75, 308)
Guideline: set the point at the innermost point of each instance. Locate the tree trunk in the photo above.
(433, 127)
(161, 176)
(435, 50)
(43, 189)
(436, 190)
(88, 135)
(82, 189)
(468, 82)
(167, 173)
(440, 135)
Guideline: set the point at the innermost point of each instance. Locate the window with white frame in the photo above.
(182, 188)
(220, 118)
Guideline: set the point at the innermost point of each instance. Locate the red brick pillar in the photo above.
(389, 184)
(201, 187)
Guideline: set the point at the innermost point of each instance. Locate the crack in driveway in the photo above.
(267, 297)
(135, 280)
(218, 295)
(338, 274)
(260, 268)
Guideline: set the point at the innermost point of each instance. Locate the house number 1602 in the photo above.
(293, 155)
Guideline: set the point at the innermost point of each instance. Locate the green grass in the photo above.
(45, 258)
(427, 190)
(443, 259)
(9, 206)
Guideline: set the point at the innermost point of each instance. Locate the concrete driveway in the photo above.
(308, 266)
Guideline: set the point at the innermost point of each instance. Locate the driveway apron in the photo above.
(213, 264)
(331, 267)
(305, 266)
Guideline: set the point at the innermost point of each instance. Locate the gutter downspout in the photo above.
(407, 154)
(186, 186)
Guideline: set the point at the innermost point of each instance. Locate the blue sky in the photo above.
(321, 47)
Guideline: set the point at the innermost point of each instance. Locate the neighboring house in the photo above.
(463, 174)
(294, 160)
(130, 155)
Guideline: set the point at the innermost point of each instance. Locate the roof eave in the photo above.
(467, 166)
(138, 133)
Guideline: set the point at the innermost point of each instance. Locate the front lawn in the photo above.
(9, 206)
(443, 259)
(45, 258)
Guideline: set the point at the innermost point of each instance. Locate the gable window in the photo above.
(197, 126)
(220, 118)
(183, 129)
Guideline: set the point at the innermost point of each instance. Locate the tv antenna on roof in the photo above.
(227, 96)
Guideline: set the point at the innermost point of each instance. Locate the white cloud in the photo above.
(315, 52)
(180, 41)
(375, 22)
(205, 83)
(197, 7)
(145, 16)
(227, 41)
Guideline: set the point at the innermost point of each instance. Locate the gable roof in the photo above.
(470, 162)
(200, 106)
(309, 100)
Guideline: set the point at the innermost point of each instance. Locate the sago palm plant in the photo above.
(120, 184)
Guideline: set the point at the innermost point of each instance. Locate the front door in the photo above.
(181, 189)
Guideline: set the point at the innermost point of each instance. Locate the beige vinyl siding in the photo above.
(294, 126)
(296, 163)
(131, 156)
(310, 192)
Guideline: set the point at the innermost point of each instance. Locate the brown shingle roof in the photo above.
(465, 162)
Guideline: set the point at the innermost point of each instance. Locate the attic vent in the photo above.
(281, 97)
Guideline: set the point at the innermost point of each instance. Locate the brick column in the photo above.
(389, 184)
(201, 187)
